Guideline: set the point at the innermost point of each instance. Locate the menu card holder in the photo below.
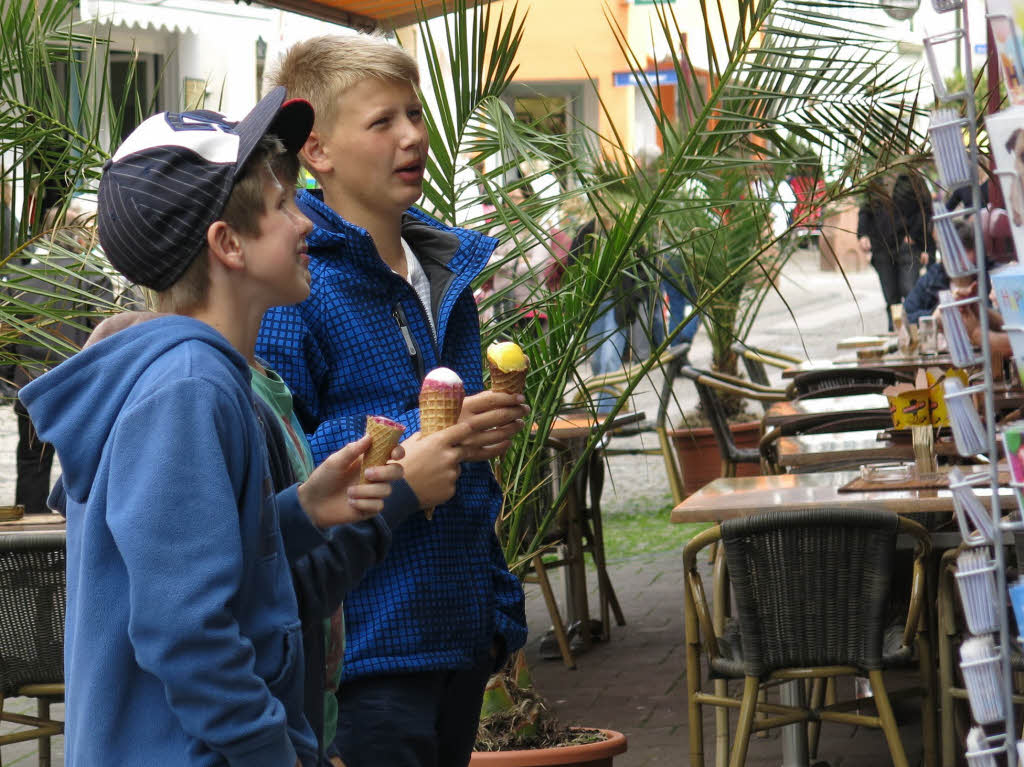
(979, 752)
(980, 662)
(973, 519)
(960, 349)
(968, 431)
(954, 254)
(951, 160)
(976, 581)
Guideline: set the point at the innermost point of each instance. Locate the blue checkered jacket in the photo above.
(360, 345)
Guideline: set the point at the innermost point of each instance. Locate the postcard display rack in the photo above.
(981, 566)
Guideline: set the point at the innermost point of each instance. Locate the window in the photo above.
(133, 82)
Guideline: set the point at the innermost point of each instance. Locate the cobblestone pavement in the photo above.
(634, 683)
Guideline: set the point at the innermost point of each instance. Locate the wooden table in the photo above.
(568, 439)
(780, 413)
(860, 447)
(894, 362)
(33, 523)
(734, 497)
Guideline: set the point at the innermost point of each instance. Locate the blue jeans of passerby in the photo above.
(678, 307)
(608, 340)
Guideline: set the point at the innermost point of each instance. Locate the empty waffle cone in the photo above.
(384, 435)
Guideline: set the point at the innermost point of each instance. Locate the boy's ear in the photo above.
(314, 154)
(224, 245)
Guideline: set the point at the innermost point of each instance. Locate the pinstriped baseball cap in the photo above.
(172, 177)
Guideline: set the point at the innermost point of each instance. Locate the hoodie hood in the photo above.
(75, 405)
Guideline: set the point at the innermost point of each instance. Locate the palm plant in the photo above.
(789, 74)
(786, 73)
(56, 117)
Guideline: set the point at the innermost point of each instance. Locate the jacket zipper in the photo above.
(410, 344)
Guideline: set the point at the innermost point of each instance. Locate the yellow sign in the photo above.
(923, 402)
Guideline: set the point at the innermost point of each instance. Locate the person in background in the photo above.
(523, 281)
(9, 223)
(882, 232)
(33, 356)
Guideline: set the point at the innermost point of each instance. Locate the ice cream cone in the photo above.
(508, 367)
(384, 434)
(441, 398)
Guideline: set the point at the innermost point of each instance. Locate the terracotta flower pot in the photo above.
(598, 754)
(700, 459)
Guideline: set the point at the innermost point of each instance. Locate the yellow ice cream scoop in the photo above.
(507, 356)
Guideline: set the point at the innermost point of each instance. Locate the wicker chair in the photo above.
(811, 590)
(669, 363)
(710, 388)
(843, 382)
(32, 604)
(755, 360)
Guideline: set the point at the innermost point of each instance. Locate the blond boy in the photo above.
(390, 300)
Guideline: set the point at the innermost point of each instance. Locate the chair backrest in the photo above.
(32, 606)
(811, 587)
(710, 387)
(846, 381)
(714, 411)
(755, 360)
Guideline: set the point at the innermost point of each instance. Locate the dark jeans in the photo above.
(897, 273)
(34, 459)
(426, 719)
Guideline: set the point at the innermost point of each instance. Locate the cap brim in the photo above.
(291, 121)
(293, 124)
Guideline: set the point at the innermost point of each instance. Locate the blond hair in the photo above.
(242, 212)
(321, 69)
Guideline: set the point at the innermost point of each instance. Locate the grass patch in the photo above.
(643, 527)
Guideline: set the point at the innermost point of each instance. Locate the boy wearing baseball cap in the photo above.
(183, 641)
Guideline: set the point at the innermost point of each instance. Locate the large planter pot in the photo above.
(586, 755)
(700, 460)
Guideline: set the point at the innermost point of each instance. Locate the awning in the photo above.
(367, 14)
(169, 15)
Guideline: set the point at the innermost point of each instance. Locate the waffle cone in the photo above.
(508, 381)
(439, 410)
(384, 437)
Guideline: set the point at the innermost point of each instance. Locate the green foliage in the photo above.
(792, 81)
(56, 123)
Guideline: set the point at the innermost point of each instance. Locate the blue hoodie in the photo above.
(182, 641)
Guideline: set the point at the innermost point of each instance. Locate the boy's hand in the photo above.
(495, 418)
(333, 496)
(432, 463)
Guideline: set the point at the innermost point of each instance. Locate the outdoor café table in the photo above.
(780, 413)
(804, 451)
(894, 362)
(733, 497)
(33, 523)
(569, 436)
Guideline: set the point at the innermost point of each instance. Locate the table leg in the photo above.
(578, 608)
(794, 736)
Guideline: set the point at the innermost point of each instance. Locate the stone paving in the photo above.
(635, 682)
